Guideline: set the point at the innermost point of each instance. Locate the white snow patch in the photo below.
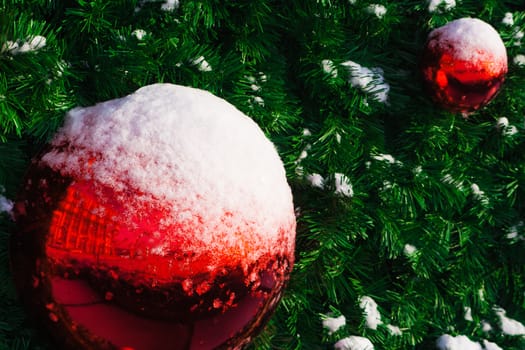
(436, 5)
(30, 44)
(476, 191)
(139, 33)
(481, 293)
(508, 325)
(513, 232)
(468, 313)
(329, 68)
(372, 315)
(479, 194)
(409, 249)
(377, 9)
(382, 157)
(332, 324)
(316, 180)
(394, 330)
(6, 206)
(470, 39)
(508, 20)
(485, 326)
(519, 60)
(208, 167)
(510, 130)
(354, 343)
(502, 122)
(307, 132)
(370, 80)
(487, 345)
(202, 64)
(259, 100)
(170, 5)
(303, 154)
(460, 342)
(343, 186)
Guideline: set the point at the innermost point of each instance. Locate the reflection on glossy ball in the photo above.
(464, 64)
(92, 295)
(161, 220)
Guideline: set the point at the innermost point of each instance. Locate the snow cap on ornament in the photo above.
(167, 211)
(464, 64)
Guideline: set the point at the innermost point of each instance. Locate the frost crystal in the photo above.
(354, 343)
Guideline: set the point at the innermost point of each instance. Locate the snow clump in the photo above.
(509, 326)
(332, 324)
(209, 167)
(30, 44)
(354, 343)
(372, 315)
(460, 342)
(370, 80)
(436, 5)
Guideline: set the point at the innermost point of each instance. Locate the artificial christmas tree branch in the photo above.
(408, 215)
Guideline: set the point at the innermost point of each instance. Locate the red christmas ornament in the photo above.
(161, 220)
(464, 64)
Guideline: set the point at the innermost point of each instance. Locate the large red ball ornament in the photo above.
(161, 220)
(464, 64)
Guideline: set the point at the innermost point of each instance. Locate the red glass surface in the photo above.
(459, 85)
(93, 291)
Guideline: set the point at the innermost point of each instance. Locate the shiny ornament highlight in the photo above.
(161, 220)
(464, 64)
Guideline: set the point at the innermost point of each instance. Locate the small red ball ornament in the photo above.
(161, 220)
(464, 64)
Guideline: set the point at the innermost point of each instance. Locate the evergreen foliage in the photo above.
(421, 177)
